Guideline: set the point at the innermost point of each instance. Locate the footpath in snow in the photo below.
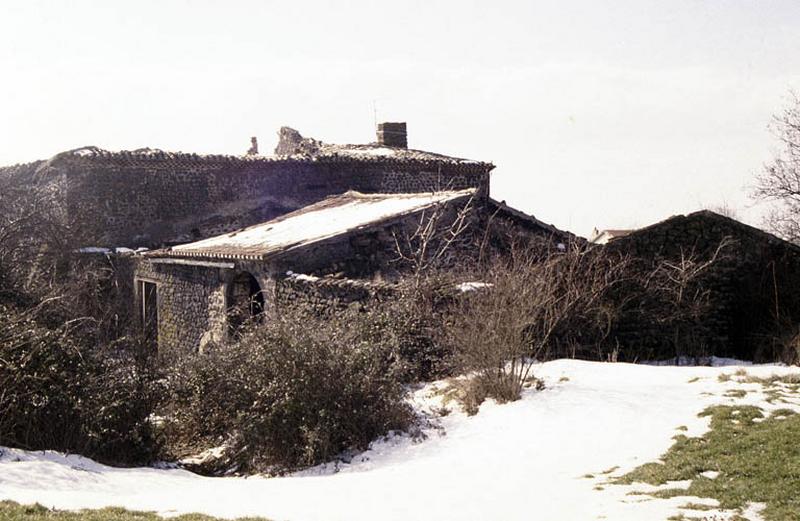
(519, 461)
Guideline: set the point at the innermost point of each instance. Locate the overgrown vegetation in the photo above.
(11, 511)
(296, 391)
(70, 379)
(529, 304)
(307, 386)
(756, 457)
(55, 393)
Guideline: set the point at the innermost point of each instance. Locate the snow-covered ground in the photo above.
(524, 460)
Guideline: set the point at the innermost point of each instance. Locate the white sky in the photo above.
(614, 114)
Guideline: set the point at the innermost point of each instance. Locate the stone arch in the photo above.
(244, 300)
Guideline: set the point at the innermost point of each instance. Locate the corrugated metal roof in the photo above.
(330, 217)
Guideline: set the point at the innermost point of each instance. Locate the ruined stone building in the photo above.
(228, 231)
(227, 237)
(150, 197)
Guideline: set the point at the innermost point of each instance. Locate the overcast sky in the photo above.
(596, 113)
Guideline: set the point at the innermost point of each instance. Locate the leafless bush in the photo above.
(531, 302)
(435, 237)
(41, 268)
(682, 291)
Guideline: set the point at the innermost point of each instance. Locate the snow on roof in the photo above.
(324, 152)
(372, 151)
(330, 217)
(604, 236)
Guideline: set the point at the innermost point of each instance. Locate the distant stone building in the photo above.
(755, 306)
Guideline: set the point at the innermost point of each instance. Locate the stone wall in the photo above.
(322, 294)
(191, 305)
(192, 300)
(150, 199)
(354, 267)
(753, 288)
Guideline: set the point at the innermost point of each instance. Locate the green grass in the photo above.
(735, 393)
(698, 506)
(11, 511)
(791, 379)
(756, 461)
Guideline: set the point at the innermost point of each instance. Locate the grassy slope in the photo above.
(10, 511)
(757, 461)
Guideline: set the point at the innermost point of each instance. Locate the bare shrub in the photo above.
(531, 303)
(679, 296)
(440, 233)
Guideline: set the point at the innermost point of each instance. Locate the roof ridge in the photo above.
(328, 153)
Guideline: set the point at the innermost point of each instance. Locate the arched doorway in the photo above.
(245, 301)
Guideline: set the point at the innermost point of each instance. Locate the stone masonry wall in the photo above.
(753, 288)
(191, 299)
(191, 305)
(135, 200)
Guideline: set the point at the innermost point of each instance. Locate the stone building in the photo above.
(150, 198)
(755, 305)
(236, 235)
(344, 248)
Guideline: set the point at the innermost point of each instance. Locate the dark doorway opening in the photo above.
(245, 301)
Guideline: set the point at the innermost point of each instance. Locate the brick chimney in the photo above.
(392, 135)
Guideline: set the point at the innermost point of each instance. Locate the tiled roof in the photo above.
(329, 218)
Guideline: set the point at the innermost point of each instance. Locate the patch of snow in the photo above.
(515, 461)
(753, 511)
(205, 456)
(301, 276)
(472, 286)
(379, 151)
(710, 474)
(93, 249)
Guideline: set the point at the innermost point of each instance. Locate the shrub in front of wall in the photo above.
(40, 388)
(58, 394)
(295, 391)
